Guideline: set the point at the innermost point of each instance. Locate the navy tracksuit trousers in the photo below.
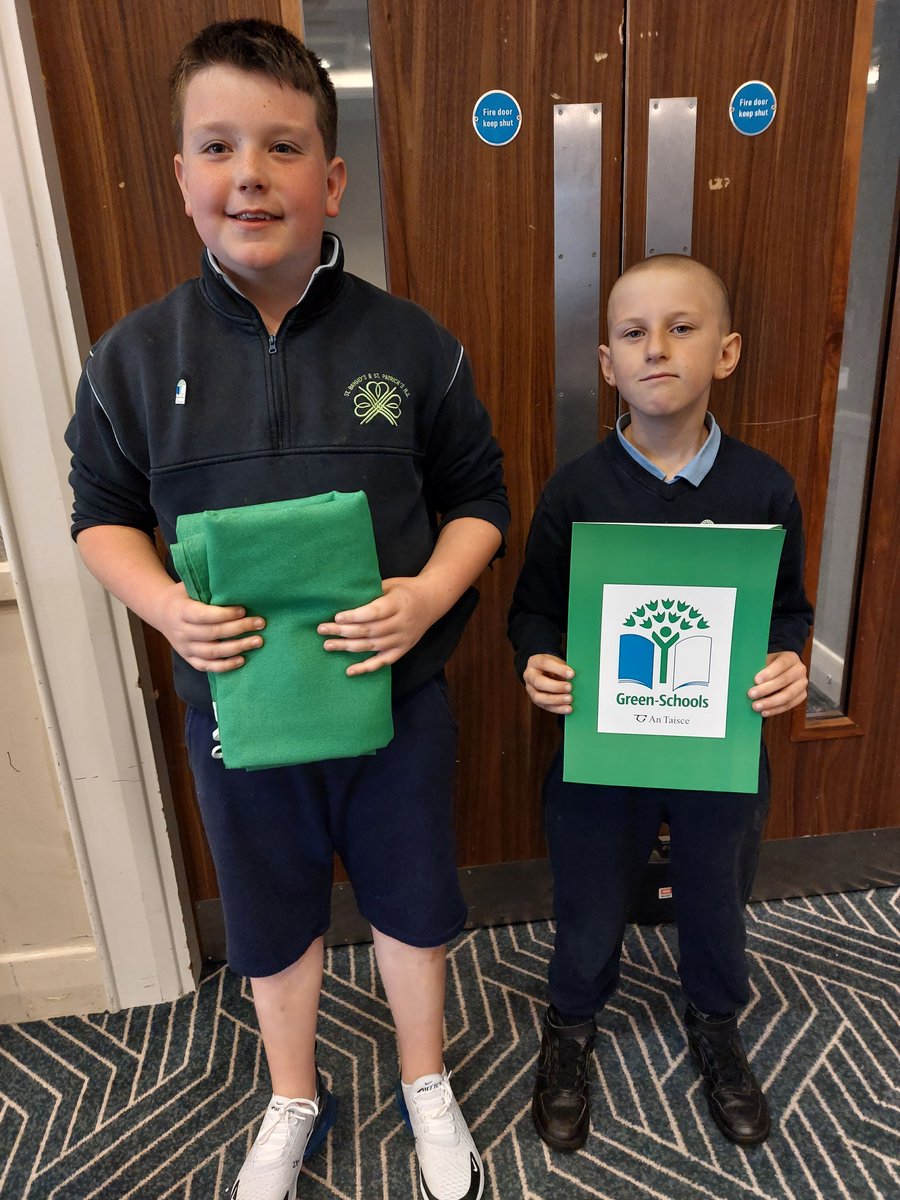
(600, 839)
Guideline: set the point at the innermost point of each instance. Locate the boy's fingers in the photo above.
(210, 614)
(214, 666)
(228, 631)
(546, 673)
(545, 683)
(345, 632)
(375, 663)
(226, 664)
(548, 664)
(784, 680)
(759, 690)
(219, 651)
(205, 630)
(784, 663)
(549, 691)
(768, 679)
(352, 645)
(375, 610)
(552, 703)
(375, 626)
(782, 701)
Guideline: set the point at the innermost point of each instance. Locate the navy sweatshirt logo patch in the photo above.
(375, 395)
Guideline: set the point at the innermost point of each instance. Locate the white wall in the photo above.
(48, 955)
(99, 732)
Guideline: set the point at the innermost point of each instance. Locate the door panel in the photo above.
(470, 237)
(766, 208)
(772, 213)
(773, 216)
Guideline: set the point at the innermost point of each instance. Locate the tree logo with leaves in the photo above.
(667, 622)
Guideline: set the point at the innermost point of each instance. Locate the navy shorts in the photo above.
(389, 816)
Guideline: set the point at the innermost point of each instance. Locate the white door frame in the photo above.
(103, 736)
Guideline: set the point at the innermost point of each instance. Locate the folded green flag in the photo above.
(296, 563)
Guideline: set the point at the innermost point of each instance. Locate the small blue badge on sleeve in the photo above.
(497, 118)
(753, 108)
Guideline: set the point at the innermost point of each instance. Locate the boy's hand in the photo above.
(546, 680)
(391, 624)
(780, 685)
(387, 627)
(208, 636)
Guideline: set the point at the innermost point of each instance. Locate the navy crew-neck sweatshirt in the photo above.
(743, 486)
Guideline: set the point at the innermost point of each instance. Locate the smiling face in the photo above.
(668, 340)
(255, 180)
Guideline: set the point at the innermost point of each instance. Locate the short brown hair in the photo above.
(680, 261)
(255, 45)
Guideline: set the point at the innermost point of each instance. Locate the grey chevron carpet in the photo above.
(161, 1103)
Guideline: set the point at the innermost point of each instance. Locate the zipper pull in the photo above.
(273, 345)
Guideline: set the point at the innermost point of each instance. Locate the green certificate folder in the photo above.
(668, 624)
(296, 563)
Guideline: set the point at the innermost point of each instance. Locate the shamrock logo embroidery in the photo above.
(377, 399)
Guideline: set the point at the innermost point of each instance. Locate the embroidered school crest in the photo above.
(375, 395)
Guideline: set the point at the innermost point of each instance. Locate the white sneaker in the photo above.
(450, 1168)
(291, 1131)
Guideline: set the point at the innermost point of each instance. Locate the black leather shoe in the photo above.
(560, 1107)
(736, 1100)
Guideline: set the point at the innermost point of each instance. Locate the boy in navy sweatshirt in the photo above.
(666, 462)
(277, 375)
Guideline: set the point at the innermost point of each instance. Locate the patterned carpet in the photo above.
(160, 1103)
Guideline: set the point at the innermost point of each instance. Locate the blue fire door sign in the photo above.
(753, 108)
(497, 118)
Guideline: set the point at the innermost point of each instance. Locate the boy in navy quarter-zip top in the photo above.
(277, 375)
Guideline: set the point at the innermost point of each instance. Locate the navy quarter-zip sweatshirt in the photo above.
(190, 404)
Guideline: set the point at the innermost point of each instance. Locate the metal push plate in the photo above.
(577, 132)
(671, 148)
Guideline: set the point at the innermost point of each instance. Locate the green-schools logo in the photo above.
(674, 649)
(375, 395)
(665, 658)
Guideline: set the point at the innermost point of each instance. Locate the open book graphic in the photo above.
(691, 659)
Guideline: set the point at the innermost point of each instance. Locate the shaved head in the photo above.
(680, 262)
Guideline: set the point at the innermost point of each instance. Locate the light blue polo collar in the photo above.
(695, 471)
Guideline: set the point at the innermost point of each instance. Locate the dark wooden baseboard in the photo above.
(835, 862)
(506, 893)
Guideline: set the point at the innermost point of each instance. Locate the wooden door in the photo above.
(470, 236)
(469, 231)
(773, 214)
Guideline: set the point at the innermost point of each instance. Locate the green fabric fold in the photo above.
(296, 563)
